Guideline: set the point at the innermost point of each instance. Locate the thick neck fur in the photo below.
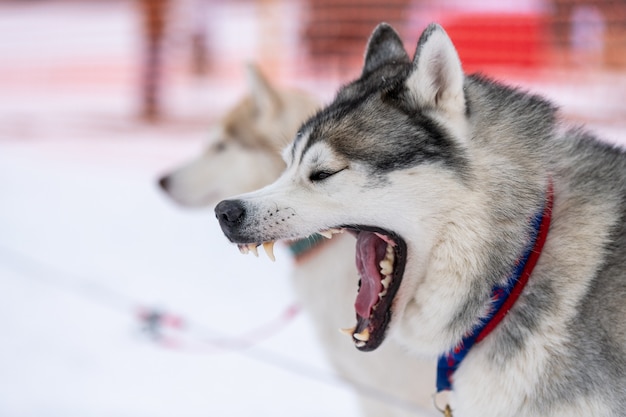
(506, 186)
(512, 148)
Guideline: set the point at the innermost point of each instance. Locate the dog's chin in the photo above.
(381, 257)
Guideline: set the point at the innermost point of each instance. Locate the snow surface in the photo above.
(86, 240)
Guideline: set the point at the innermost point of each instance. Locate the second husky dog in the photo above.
(243, 154)
(487, 233)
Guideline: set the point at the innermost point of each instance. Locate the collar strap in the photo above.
(302, 248)
(502, 296)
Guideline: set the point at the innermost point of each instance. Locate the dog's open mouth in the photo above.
(380, 260)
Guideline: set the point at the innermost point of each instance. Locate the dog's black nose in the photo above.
(164, 182)
(229, 212)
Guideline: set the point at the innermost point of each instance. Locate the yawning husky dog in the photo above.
(242, 155)
(488, 234)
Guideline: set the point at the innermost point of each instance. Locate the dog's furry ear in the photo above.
(436, 80)
(264, 97)
(383, 47)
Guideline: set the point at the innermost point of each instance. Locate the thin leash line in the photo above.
(153, 317)
(65, 281)
(73, 283)
(159, 325)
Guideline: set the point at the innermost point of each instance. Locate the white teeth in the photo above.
(389, 253)
(328, 234)
(269, 250)
(364, 336)
(253, 249)
(386, 282)
(348, 331)
(359, 338)
(386, 267)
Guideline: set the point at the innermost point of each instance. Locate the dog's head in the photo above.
(243, 152)
(384, 162)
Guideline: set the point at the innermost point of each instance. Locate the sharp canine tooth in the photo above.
(269, 249)
(348, 331)
(243, 249)
(364, 336)
(252, 247)
(328, 234)
(359, 344)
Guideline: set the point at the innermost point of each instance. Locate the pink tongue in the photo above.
(370, 250)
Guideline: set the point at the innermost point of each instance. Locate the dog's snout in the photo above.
(229, 212)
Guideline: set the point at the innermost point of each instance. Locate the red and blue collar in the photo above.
(502, 297)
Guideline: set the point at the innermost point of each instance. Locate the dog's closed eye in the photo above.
(321, 175)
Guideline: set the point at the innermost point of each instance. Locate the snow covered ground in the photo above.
(87, 242)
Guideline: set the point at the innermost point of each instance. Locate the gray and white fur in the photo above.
(447, 169)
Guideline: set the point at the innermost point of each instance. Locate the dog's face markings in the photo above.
(244, 143)
(342, 166)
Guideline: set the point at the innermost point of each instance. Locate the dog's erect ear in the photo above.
(436, 80)
(383, 47)
(265, 99)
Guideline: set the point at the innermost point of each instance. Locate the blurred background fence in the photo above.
(153, 47)
(559, 42)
